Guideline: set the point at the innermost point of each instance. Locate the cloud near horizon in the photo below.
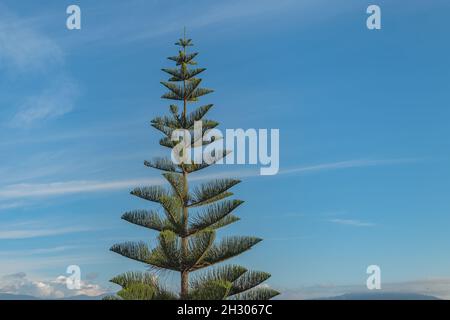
(20, 284)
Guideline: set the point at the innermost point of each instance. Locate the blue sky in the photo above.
(363, 119)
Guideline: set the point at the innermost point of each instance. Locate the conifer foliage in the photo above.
(190, 216)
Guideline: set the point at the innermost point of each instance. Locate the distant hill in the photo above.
(381, 296)
(7, 296)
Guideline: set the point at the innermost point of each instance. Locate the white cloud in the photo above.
(351, 222)
(25, 48)
(20, 284)
(27, 190)
(146, 25)
(38, 251)
(69, 187)
(53, 102)
(30, 233)
(22, 47)
(30, 229)
(210, 15)
(11, 205)
(348, 164)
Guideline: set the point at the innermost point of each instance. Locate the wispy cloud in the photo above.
(35, 166)
(31, 229)
(24, 190)
(207, 14)
(289, 238)
(351, 222)
(37, 251)
(53, 102)
(27, 233)
(70, 187)
(11, 205)
(22, 47)
(218, 13)
(42, 263)
(357, 163)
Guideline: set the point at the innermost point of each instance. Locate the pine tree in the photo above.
(191, 216)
